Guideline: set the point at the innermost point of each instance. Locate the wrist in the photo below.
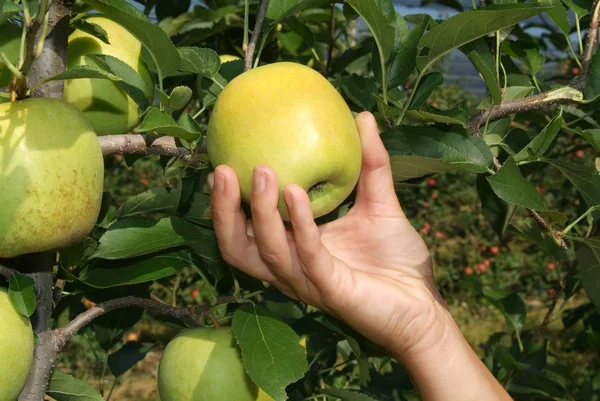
(443, 365)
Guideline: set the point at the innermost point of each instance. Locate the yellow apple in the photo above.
(204, 364)
(108, 107)
(51, 176)
(10, 45)
(16, 349)
(290, 117)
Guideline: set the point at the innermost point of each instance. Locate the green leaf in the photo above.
(21, 294)
(352, 338)
(527, 52)
(136, 236)
(127, 357)
(592, 88)
(135, 271)
(131, 82)
(585, 179)
(82, 72)
(358, 89)
(8, 10)
(179, 98)
(160, 48)
(418, 151)
(200, 61)
(592, 136)
(588, 257)
(510, 185)
(281, 9)
(482, 58)
(559, 15)
(496, 211)
(510, 304)
(433, 115)
(64, 387)
(403, 61)
(271, 352)
(380, 17)
(90, 28)
(155, 200)
(161, 122)
(466, 27)
(541, 143)
(577, 9)
(427, 85)
(347, 395)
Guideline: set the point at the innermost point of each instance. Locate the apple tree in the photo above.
(139, 80)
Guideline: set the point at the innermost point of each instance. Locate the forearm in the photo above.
(448, 369)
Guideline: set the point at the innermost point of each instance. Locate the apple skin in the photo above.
(10, 45)
(205, 364)
(16, 349)
(51, 176)
(108, 107)
(290, 117)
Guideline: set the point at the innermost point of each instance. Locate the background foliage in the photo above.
(471, 172)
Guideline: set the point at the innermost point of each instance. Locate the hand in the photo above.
(370, 268)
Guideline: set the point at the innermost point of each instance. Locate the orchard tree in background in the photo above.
(75, 85)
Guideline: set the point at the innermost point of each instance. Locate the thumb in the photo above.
(376, 184)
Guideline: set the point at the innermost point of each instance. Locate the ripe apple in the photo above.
(290, 117)
(104, 103)
(10, 45)
(16, 349)
(205, 364)
(51, 176)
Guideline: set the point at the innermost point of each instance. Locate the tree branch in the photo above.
(331, 39)
(136, 144)
(7, 273)
(590, 47)
(186, 315)
(260, 18)
(158, 308)
(40, 270)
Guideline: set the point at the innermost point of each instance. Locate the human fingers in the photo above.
(316, 259)
(229, 222)
(269, 230)
(376, 185)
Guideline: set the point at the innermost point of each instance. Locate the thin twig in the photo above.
(331, 39)
(158, 308)
(186, 315)
(544, 224)
(590, 47)
(260, 18)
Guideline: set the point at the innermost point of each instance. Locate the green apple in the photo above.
(205, 364)
(290, 117)
(51, 176)
(10, 45)
(108, 107)
(16, 349)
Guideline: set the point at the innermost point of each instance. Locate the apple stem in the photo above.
(260, 18)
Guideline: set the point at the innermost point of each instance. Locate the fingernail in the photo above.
(289, 199)
(259, 181)
(210, 180)
(219, 182)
